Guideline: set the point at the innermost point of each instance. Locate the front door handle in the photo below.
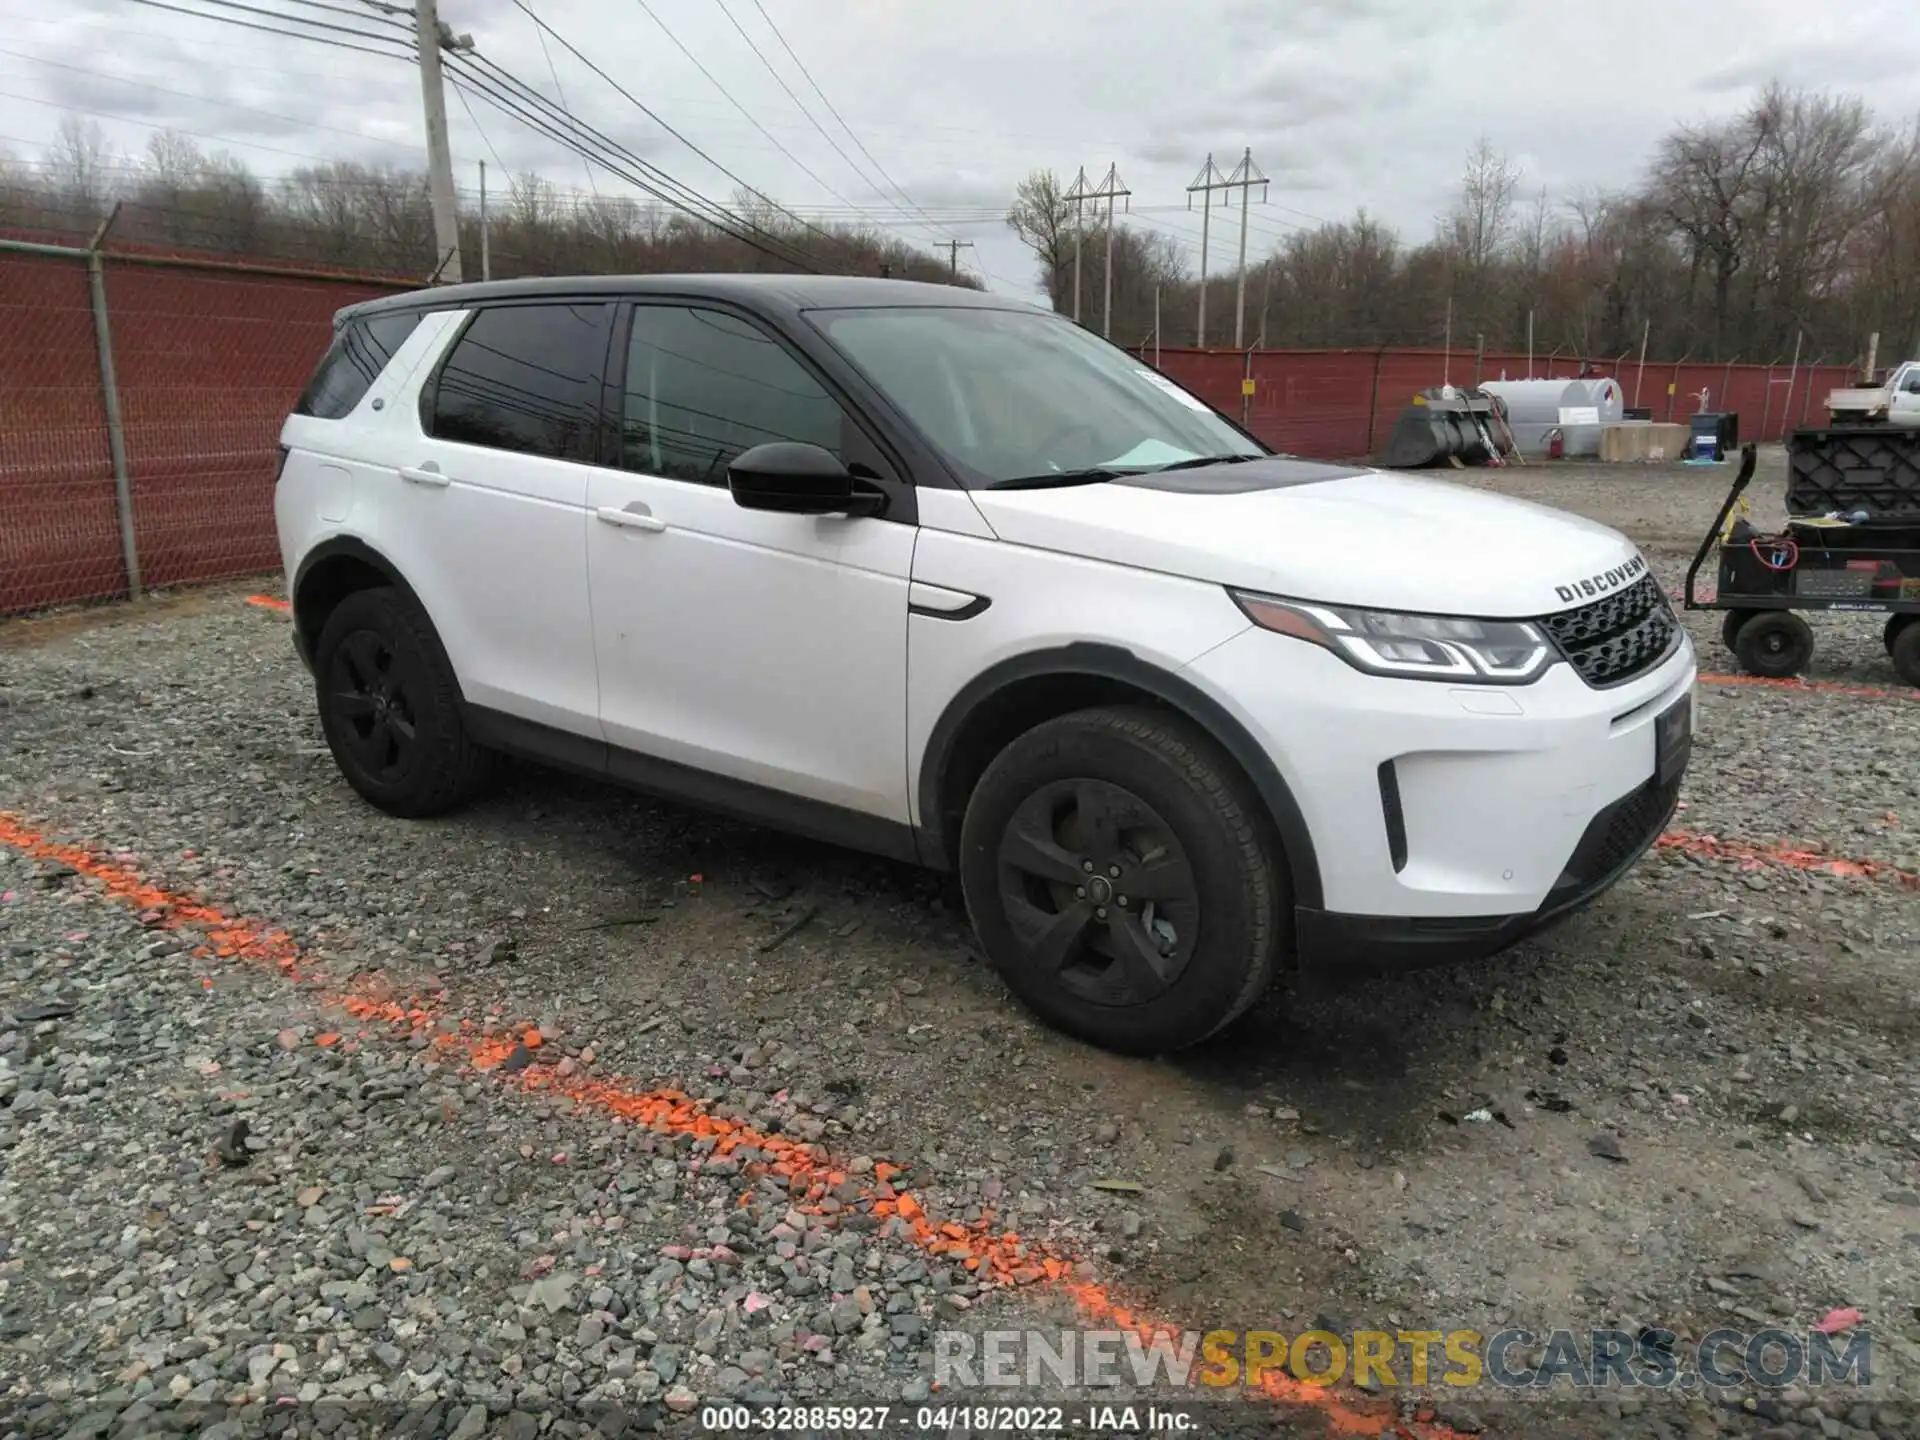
(423, 475)
(635, 517)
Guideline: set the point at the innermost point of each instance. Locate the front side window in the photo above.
(360, 351)
(1014, 395)
(702, 386)
(526, 378)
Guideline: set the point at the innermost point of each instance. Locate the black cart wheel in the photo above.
(1895, 624)
(1775, 644)
(389, 707)
(1730, 628)
(1906, 651)
(1120, 881)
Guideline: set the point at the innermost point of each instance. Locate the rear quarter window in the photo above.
(360, 351)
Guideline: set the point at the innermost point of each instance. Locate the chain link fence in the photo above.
(141, 399)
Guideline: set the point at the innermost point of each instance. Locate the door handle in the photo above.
(420, 475)
(630, 519)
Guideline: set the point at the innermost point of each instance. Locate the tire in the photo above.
(1730, 628)
(1906, 652)
(379, 667)
(1774, 644)
(1130, 789)
(1895, 624)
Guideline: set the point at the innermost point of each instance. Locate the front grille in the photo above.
(1616, 638)
(1618, 835)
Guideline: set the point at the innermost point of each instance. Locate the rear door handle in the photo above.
(637, 517)
(420, 475)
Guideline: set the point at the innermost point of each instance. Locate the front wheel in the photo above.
(1774, 644)
(1730, 627)
(1120, 878)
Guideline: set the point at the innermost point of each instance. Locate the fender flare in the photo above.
(1110, 662)
(354, 548)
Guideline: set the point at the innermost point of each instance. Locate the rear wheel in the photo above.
(389, 706)
(1120, 880)
(1774, 644)
(1730, 627)
(1906, 651)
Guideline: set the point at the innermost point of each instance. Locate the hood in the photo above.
(1335, 534)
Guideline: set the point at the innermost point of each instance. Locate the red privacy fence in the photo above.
(1341, 404)
(209, 358)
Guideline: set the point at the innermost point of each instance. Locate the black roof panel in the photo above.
(783, 292)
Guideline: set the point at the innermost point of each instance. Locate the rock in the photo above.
(473, 1424)
(681, 1400)
(1607, 1146)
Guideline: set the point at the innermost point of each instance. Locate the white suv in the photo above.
(945, 577)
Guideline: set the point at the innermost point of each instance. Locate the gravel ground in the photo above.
(1691, 1106)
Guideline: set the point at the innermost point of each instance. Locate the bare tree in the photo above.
(1044, 219)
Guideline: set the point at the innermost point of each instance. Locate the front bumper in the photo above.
(1327, 942)
(1448, 822)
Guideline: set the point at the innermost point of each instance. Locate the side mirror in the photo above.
(798, 479)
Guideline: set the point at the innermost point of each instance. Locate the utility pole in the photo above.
(1077, 195)
(954, 248)
(1110, 189)
(1245, 176)
(430, 35)
(1209, 180)
(486, 260)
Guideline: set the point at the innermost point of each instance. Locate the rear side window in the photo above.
(360, 351)
(526, 378)
(703, 386)
(354, 361)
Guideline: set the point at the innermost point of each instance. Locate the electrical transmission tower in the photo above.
(1245, 176)
(1110, 189)
(1077, 193)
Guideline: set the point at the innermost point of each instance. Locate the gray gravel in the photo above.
(1701, 1103)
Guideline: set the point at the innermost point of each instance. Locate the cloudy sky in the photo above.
(938, 109)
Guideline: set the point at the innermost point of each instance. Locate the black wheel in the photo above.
(388, 706)
(1895, 624)
(1120, 879)
(1774, 643)
(1730, 627)
(1906, 651)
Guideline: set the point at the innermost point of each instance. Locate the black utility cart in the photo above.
(1851, 543)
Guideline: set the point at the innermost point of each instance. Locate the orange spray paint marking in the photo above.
(1812, 687)
(268, 602)
(1752, 856)
(1002, 1257)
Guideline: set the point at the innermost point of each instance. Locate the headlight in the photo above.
(1420, 647)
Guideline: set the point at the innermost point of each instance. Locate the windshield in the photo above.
(1011, 395)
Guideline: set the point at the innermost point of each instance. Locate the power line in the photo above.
(275, 30)
(644, 176)
(644, 110)
(829, 104)
(480, 130)
(794, 159)
(779, 79)
(560, 95)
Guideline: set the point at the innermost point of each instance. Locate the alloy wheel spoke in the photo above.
(1143, 967)
(1028, 848)
(1058, 941)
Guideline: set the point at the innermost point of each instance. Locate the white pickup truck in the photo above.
(1896, 401)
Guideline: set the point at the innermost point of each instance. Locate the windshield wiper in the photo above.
(1200, 460)
(1053, 478)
